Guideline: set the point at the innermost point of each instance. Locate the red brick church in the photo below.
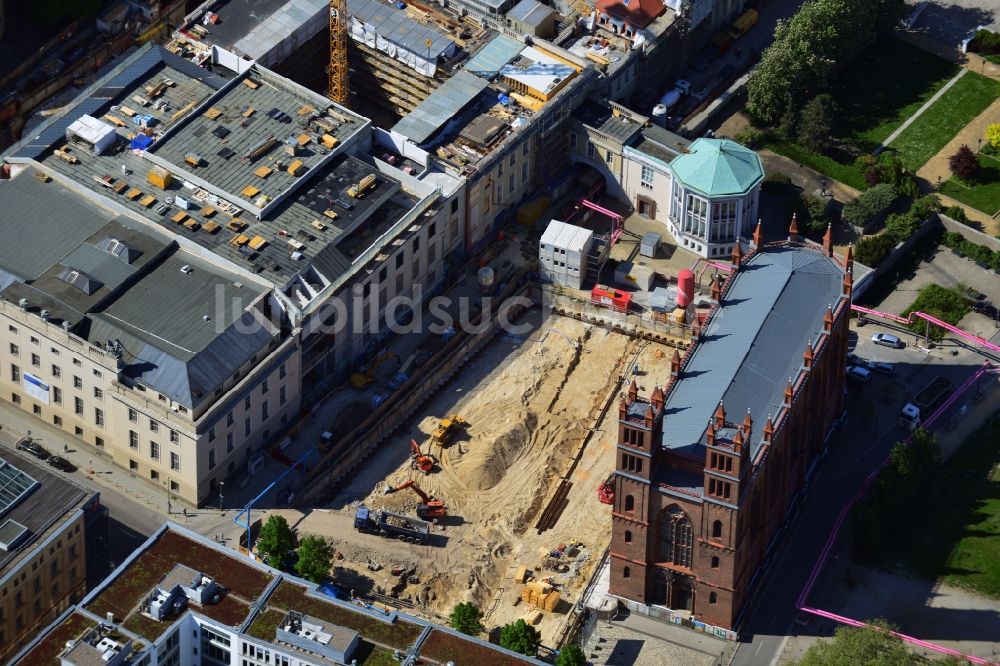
(708, 464)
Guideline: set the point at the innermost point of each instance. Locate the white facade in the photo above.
(710, 226)
(646, 181)
(563, 252)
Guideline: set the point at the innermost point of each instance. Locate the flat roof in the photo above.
(601, 118)
(566, 236)
(753, 343)
(240, 19)
(240, 139)
(440, 106)
(245, 582)
(661, 143)
(393, 25)
(43, 510)
(43, 222)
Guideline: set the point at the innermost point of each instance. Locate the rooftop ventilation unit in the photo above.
(85, 283)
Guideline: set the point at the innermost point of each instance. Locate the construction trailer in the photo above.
(563, 253)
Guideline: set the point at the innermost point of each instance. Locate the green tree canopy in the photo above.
(520, 637)
(571, 655)
(815, 123)
(276, 541)
(315, 556)
(809, 48)
(861, 646)
(465, 617)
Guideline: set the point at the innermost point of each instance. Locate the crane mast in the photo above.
(339, 91)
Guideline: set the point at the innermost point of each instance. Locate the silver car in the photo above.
(887, 340)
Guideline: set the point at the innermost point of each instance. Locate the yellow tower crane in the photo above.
(339, 91)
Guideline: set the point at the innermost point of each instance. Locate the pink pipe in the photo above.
(601, 209)
(800, 603)
(934, 320)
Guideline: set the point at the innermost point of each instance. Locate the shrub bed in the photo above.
(946, 304)
(979, 253)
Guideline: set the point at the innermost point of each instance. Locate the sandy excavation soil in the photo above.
(529, 404)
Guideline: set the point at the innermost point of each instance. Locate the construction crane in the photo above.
(337, 69)
(420, 460)
(447, 428)
(429, 508)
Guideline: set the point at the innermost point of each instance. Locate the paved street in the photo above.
(869, 433)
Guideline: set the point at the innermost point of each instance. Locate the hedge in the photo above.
(979, 253)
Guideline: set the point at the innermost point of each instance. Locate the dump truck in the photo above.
(447, 429)
(394, 525)
(924, 403)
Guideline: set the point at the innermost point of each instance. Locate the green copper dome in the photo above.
(718, 168)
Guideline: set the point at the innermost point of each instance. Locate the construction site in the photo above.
(510, 455)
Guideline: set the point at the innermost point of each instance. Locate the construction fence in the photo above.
(645, 324)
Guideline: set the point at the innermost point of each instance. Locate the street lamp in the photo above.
(221, 484)
(822, 186)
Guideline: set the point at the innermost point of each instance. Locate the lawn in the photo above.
(848, 174)
(265, 624)
(945, 118)
(955, 531)
(884, 87)
(984, 193)
(881, 89)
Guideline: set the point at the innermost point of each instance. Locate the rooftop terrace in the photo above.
(254, 606)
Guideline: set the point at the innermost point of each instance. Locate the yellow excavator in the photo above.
(365, 375)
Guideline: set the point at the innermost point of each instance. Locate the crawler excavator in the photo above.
(420, 460)
(429, 508)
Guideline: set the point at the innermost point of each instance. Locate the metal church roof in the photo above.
(752, 344)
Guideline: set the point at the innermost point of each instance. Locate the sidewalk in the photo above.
(106, 474)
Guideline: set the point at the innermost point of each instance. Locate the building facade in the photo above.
(696, 506)
(53, 548)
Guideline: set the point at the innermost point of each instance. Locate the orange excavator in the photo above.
(420, 460)
(429, 508)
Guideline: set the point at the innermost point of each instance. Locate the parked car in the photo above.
(34, 448)
(879, 366)
(887, 340)
(858, 373)
(61, 463)
(854, 359)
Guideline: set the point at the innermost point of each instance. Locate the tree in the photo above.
(465, 617)
(520, 637)
(815, 209)
(315, 556)
(571, 655)
(811, 47)
(964, 163)
(276, 541)
(814, 123)
(871, 645)
(992, 135)
(789, 121)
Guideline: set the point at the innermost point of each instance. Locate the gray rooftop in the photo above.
(247, 117)
(600, 118)
(441, 106)
(243, 19)
(752, 344)
(42, 510)
(494, 56)
(184, 331)
(530, 12)
(660, 143)
(395, 26)
(31, 243)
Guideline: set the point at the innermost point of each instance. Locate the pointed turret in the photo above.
(828, 240)
(828, 319)
(789, 392)
(737, 255)
(720, 416)
(758, 235)
(675, 364)
(793, 229)
(633, 391)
